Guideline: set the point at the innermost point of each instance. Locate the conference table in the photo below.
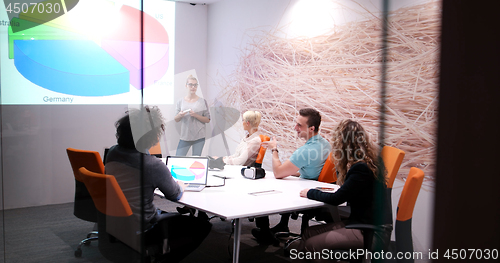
(241, 198)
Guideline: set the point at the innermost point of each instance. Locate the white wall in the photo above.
(36, 170)
(190, 55)
(230, 25)
(35, 167)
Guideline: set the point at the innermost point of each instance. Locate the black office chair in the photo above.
(377, 237)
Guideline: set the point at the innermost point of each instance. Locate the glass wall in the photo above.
(70, 69)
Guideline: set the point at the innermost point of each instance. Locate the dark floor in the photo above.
(51, 234)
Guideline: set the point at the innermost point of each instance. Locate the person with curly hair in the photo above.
(361, 185)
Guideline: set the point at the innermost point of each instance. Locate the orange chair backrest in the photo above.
(156, 149)
(392, 157)
(410, 193)
(328, 173)
(82, 158)
(262, 150)
(106, 193)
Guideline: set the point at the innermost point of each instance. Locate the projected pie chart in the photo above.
(195, 171)
(60, 57)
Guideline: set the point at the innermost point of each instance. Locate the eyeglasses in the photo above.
(192, 85)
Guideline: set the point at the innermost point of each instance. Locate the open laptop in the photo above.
(192, 170)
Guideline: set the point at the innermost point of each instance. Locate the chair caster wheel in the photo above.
(78, 253)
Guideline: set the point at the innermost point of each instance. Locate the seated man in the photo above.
(130, 159)
(306, 162)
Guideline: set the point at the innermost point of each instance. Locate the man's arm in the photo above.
(280, 170)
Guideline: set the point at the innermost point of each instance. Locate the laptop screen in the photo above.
(192, 169)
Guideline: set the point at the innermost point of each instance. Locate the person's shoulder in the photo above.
(301, 148)
(316, 138)
(321, 139)
(151, 159)
(318, 141)
(360, 168)
(154, 162)
(254, 137)
(117, 150)
(112, 148)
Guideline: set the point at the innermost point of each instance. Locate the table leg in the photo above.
(236, 246)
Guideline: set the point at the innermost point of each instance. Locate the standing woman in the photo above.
(192, 111)
(358, 177)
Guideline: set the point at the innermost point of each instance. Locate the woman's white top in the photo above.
(246, 152)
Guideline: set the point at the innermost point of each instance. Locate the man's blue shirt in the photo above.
(311, 157)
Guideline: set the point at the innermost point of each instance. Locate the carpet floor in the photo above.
(51, 234)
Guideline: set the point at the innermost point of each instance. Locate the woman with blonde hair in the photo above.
(248, 149)
(246, 152)
(361, 185)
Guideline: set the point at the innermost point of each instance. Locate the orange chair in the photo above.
(406, 205)
(116, 219)
(156, 150)
(262, 151)
(84, 207)
(392, 157)
(106, 193)
(328, 173)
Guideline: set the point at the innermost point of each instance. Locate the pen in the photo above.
(262, 192)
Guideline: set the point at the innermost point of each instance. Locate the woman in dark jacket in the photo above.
(358, 177)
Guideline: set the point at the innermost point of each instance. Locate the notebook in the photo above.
(192, 170)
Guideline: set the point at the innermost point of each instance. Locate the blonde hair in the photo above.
(190, 77)
(253, 117)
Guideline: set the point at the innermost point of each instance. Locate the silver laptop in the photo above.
(192, 170)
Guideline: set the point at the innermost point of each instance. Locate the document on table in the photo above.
(267, 192)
